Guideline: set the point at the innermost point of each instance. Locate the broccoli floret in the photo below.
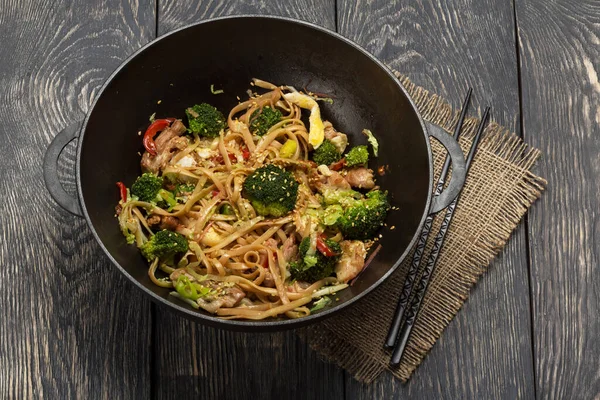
(327, 153)
(311, 268)
(358, 155)
(164, 244)
(271, 190)
(146, 187)
(263, 120)
(361, 220)
(205, 120)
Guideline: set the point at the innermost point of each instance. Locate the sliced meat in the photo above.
(337, 181)
(361, 178)
(163, 222)
(272, 243)
(352, 260)
(268, 281)
(339, 139)
(167, 143)
(226, 296)
(330, 180)
(178, 272)
(289, 248)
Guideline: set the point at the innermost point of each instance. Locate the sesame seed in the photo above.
(158, 102)
(392, 227)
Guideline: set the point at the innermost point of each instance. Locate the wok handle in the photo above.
(50, 167)
(459, 169)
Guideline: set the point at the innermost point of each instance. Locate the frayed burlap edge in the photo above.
(346, 346)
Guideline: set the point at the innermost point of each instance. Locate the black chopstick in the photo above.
(415, 305)
(416, 259)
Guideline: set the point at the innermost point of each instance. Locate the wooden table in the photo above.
(72, 327)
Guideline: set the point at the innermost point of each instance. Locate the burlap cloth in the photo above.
(500, 188)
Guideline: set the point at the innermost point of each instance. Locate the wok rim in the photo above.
(249, 325)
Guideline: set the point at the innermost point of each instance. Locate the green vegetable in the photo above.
(164, 196)
(263, 120)
(164, 244)
(321, 303)
(146, 187)
(343, 197)
(205, 120)
(288, 149)
(226, 209)
(358, 155)
(184, 189)
(331, 214)
(213, 91)
(312, 267)
(362, 219)
(191, 290)
(372, 140)
(327, 153)
(271, 190)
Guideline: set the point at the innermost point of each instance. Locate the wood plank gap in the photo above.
(526, 218)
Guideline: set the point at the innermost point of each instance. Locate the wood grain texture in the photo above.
(447, 46)
(175, 14)
(194, 360)
(560, 64)
(65, 329)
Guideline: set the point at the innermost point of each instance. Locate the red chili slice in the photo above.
(323, 248)
(155, 127)
(122, 191)
(245, 153)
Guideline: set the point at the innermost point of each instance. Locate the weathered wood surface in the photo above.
(447, 46)
(66, 330)
(210, 363)
(560, 64)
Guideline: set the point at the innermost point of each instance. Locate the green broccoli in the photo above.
(164, 244)
(148, 188)
(263, 120)
(271, 190)
(326, 153)
(362, 219)
(312, 267)
(358, 155)
(205, 120)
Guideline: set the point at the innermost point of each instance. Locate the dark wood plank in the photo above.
(70, 325)
(560, 64)
(447, 46)
(207, 363)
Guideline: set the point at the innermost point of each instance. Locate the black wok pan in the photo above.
(179, 68)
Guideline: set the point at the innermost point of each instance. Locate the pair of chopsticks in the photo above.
(399, 333)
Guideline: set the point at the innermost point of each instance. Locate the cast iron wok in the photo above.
(178, 70)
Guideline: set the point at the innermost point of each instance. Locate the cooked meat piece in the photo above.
(289, 248)
(178, 272)
(272, 243)
(352, 260)
(332, 179)
(361, 178)
(162, 222)
(339, 139)
(167, 142)
(226, 296)
(337, 181)
(268, 281)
